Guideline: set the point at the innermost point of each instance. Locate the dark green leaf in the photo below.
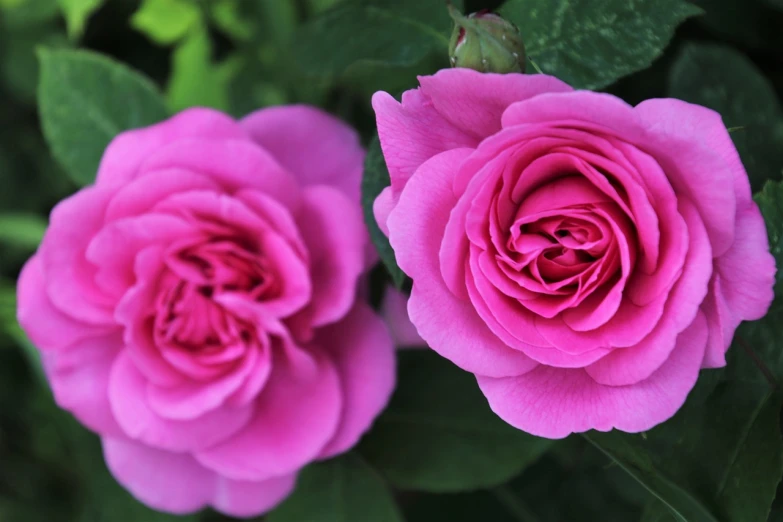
(375, 179)
(590, 44)
(770, 202)
(344, 489)
(85, 100)
(438, 433)
(723, 79)
(751, 23)
(22, 230)
(388, 33)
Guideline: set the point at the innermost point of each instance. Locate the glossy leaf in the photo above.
(591, 44)
(438, 433)
(344, 489)
(723, 79)
(85, 100)
(375, 179)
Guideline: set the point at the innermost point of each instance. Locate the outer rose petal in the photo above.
(394, 310)
(334, 155)
(247, 499)
(474, 101)
(382, 207)
(296, 415)
(128, 150)
(449, 325)
(333, 230)
(128, 396)
(79, 377)
(167, 481)
(363, 353)
(553, 403)
(47, 327)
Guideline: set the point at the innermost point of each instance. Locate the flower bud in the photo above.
(485, 42)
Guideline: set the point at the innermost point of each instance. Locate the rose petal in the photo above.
(553, 402)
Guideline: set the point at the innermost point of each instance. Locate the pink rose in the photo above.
(584, 258)
(197, 308)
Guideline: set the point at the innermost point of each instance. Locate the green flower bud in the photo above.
(486, 42)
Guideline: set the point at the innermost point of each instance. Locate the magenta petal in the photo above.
(128, 396)
(46, 326)
(295, 417)
(124, 155)
(166, 481)
(69, 276)
(553, 403)
(334, 155)
(394, 310)
(412, 132)
(635, 363)
(241, 499)
(334, 232)
(448, 324)
(79, 377)
(474, 102)
(234, 164)
(363, 353)
(382, 207)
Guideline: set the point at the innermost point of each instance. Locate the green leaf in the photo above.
(388, 33)
(375, 179)
(723, 79)
(748, 23)
(770, 202)
(439, 435)
(195, 79)
(590, 44)
(344, 489)
(76, 13)
(85, 100)
(228, 17)
(721, 457)
(22, 230)
(29, 12)
(166, 21)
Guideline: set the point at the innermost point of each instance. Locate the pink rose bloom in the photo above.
(394, 309)
(584, 258)
(197, 308)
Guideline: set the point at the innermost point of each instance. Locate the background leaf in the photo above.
(76, 13)
(722, 79)
(375, 179)
(591, 44)
(344, 489)
(166, 21)
(21, 230)
(438, 434)
(86, 100)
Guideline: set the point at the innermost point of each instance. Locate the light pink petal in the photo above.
(295, 417)
(412, 132)
(124, 155)
(191, 399)
(363, 353)
(448, 324)
(334, 232)
(69, 276)
(692, 145)
(113, 249)
(79, 377)
(234, 164)
(553, 403)
(163, 480)
(474, 101)
(142, 194)
(635, 363)
(128, 396)
(313, 145)
(382, 207)
(242, 499)
(720, 325)
(394, 309)
(46, 326)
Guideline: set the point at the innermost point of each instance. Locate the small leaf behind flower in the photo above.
(343, 489)
(85, 100)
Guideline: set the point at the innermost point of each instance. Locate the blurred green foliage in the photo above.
(717, 460)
